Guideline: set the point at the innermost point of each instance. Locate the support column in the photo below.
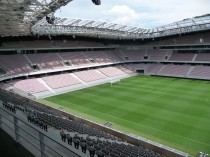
(1, 124)
(42, 145)
(17, 136)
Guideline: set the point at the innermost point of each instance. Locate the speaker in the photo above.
(97, 2)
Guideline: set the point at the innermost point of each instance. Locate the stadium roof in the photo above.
(28, 17)
(18, 16)
(101, 29)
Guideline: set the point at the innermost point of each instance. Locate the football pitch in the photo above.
(174, 112)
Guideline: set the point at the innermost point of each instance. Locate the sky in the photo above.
(141, 13)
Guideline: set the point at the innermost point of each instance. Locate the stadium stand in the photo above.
(39, 60)
(182, 57)
(76, 134)
(200, 72)
(14, 64)
(203, 57)
(156, 54)
(111, 71)
(134, 55)
(30, 86)
(90, 75)
(46, 61)
(115, 56)
(75, 58)
(60, 81)
(174, 70)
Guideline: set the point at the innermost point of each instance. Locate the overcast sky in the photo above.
(142, 13)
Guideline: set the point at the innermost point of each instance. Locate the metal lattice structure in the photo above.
(88, 28)
(18, 16)
(100, 29)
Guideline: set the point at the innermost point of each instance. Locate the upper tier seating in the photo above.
(188, 39)
(182, 56)
(201, 38)
(115, 56)
(89, 44)
(13, 44)
(203, 57)
(90, 75)
(97, 56)
(206, 38)
(36, 44)
(156, 54)
(134, 54)
(46, 60)
(30, 86)
(62, 80)
(111, 71)
(75, 58)
(64, 43)
(14, 64)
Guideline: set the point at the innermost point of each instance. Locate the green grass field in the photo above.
(173, 112)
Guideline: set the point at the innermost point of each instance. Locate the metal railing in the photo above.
(34, 139)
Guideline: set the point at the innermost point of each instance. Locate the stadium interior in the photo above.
(43, 56)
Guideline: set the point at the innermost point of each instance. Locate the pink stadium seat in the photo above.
(90, 75)
(182, 56)
(14, 64)
(97, 56)
(30, 86)
(62, 80)
(134, 54)
(156, 54)
(111, 71)
(175, 70)
(203, 57)
(115, 56)
(76, 58)
(200, 72)
(46, 60)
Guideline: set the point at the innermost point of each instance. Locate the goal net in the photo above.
(112, 82)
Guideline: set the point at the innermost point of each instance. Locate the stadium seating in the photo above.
(126, 68)
(115, 56)
(60, 81)
(36, 44)
(97, 56)
(182, 56)
(90, 75)
(156, 54)
(153, 68)
(29, 86)
(64, 43)
(14, 64)
(75, 58)
(111, 71)
(200, 72)
(174, 70)
(46, 60)
(203, 57)
(134, 54)
(90, 140)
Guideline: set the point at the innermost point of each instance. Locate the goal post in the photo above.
(114, 82)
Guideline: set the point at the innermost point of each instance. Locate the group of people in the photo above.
(10, 107)
(37, 121)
